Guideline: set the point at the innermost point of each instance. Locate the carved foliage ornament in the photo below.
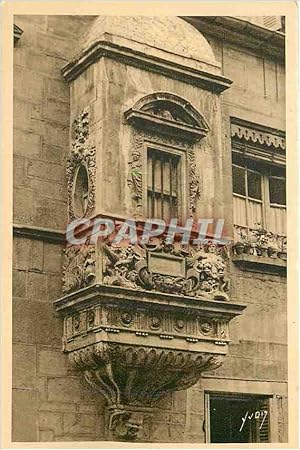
(205, 270)
(146, 373)
(81, 169)
(133, 378)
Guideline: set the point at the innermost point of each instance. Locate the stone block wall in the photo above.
(41, 118)
(50, 401)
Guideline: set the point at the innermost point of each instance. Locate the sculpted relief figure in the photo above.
(205, 270)
(79, 267)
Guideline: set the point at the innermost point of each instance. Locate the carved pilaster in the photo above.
(194, 182)
(82, 155)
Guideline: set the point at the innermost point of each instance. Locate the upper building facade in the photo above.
(139, 118)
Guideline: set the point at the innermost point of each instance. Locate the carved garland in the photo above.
(82, 153)
(135, 178)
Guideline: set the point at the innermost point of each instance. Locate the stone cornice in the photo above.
(243, 34)
(146, 61)
(104, 293)
(261, 264)
(43, 234)
(149, 121)
(17, 33)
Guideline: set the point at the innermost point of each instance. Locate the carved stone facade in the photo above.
(135, 351)
(168, 321)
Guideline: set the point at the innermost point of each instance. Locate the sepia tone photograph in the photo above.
(149, 261)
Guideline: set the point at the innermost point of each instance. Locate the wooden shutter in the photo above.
(263, 423)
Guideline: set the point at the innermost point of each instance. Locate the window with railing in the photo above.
(259, 196)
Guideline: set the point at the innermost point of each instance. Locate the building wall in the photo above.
(258, 351)
(50, 401)
(258, 90)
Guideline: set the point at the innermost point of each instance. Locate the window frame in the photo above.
(236, 396)
(265, 194)
(180, 153)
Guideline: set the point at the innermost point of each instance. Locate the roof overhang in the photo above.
(250, 36)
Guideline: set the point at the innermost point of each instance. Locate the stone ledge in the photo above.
(99, 293)
(260, 263)
(43, 234)
(210, 81)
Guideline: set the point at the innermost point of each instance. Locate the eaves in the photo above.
(262, 41)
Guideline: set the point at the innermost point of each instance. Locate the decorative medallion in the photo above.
(205, 327)
(127, 318)
(155, 322)
(179, 324)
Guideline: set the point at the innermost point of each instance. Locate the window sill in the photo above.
(262, 264)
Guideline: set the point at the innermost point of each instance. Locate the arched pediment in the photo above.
(170, 113)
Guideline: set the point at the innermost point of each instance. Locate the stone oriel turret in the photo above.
(140, 322)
